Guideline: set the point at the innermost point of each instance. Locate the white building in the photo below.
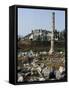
(40, 33)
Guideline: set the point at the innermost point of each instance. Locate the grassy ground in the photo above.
(54, 60)
(38, 46)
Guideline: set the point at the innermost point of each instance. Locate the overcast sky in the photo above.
(30, 19)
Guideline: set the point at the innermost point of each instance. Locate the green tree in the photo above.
(39, 38)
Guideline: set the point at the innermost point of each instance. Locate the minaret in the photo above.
(52, 35)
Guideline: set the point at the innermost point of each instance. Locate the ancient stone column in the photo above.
(52, 34)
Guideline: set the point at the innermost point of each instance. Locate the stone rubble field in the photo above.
(40, 66)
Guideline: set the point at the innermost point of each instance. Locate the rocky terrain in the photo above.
(40, 66)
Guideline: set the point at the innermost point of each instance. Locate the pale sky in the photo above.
(29, 19)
